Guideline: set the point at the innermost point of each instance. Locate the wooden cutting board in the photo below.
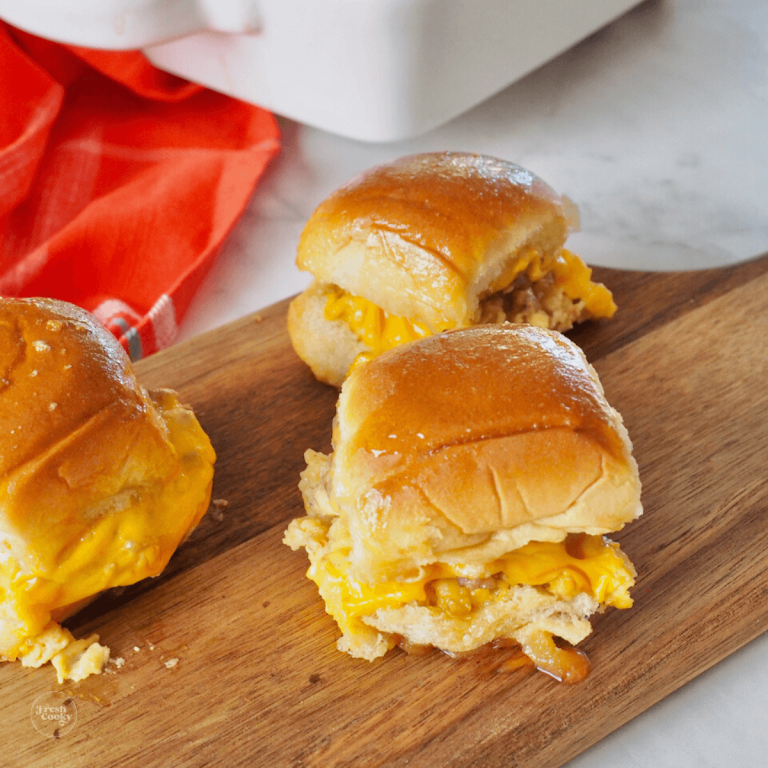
(258, 681)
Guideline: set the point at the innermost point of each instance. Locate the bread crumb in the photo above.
(219, 505)
(258, 318)
(171, 663)
(136, 648)
(40, 346)
(118, 662)
(52, 406)
(34, 373)
(151, 647)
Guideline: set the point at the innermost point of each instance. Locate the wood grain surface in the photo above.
(258, 681)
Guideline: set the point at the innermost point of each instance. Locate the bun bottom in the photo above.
(328, 347)
(522, 613)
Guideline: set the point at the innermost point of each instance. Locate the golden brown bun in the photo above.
(328, 347)
(469, 444)
(425, 237)
(68, 386)
(99, 479)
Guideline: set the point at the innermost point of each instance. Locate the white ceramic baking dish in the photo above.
(374, 70)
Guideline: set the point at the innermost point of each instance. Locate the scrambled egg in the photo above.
(581, 564)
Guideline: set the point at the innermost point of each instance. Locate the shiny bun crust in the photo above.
(62, 373)
(427, 236)
(468, 444)
(87, 455)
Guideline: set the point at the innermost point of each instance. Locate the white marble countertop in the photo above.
(657, 126)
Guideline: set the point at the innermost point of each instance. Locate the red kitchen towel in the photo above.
(118, 182)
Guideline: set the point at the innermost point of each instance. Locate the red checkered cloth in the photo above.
(118, 182)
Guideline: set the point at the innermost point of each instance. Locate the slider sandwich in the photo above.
(473, 478)
(430, 243)
(100, 480)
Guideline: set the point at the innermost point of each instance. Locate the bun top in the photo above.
(427, 236)
(468, 444)
(59, 368)
(99, 479)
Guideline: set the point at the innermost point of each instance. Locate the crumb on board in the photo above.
(171, 663)
(117, 661)
(257, 318)
(219, 505)
(136, 648)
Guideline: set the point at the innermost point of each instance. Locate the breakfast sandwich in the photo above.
(473, 479)
(100, 480)
(434, 242)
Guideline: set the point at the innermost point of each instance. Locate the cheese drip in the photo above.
(381, 331)
(600, 570)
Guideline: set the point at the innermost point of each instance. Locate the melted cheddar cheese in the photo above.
(575, 278)
(132, 539)
(600, 570)
(381, 331)
(376, 328)
(531, 263)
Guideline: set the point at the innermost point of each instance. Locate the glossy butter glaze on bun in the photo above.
(433, 242)
(473, 476)
(100, 480)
